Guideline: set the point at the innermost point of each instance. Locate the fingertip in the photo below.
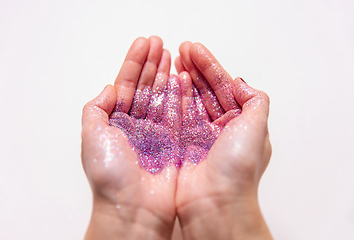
(265, 101)
(156, 44)
(106, 100)
(179, 65)
(141, 44)
(140, 40)
(109, 86)
(265, 97)
(184, 54)
(101, 106)
(251, 100)
(186, 84)
(165, 51)
(139, 50)
(197, 49)
(185, 46)
(198, 44)
(242, 91)
(186, 60)
(185, 75)
(203, 59)
(166, 60)
(166, 56)
(156, 39)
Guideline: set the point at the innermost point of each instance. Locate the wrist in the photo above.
(241, 219)
(112, 221)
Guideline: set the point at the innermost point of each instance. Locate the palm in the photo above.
(118, 175)
(230, 163)
(115, 154)
(239, 155)
(156, 150)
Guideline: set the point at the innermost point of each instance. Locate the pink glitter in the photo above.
(198, 133)
(158, 132)
(153, 125)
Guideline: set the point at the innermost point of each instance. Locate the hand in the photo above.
(129, 201)
(217, 199)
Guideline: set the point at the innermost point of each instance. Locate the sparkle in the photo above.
(158, 132)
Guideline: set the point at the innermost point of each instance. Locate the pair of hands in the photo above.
(214, 199)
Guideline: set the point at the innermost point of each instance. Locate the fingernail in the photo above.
(243, 80)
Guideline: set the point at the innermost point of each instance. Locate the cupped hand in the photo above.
(133, 176)
(217, 198)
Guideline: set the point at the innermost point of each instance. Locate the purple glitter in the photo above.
(158, 132)
(140, 103)
(153, 125)
(198, 133)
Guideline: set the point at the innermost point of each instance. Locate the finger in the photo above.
(148, 73)
(215, 74)
(157, 101)
(163, 71)
(143, 93)
(125, 123)
(209, 99)
(227, 117)
(156, 106)
(179, 65)
(255, 103)
(140, 103)
(129, 73)
(100, 107)
(202, 114)
(189, 113)
(172, 109)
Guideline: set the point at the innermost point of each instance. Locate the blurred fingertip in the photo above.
(141, 40)
(179, 65)
(184, 75)
(165, 51)
(141, 44)
(197, 47)
(108, 88)
(185, 45)
(155, 38)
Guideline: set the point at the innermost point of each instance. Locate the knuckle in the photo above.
(87, 107)
(264, 96)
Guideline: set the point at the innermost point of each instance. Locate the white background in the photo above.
(57, 55)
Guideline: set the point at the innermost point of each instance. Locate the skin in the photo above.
(128, 201)
(217, 199)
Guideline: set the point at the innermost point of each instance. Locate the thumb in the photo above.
(254, 103)
(100, 107)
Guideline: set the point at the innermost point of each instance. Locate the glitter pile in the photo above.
(158, 131)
